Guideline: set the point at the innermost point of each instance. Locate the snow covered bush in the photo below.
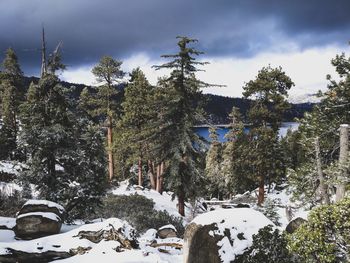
(138, 211)
(269, 245)
(325, 237)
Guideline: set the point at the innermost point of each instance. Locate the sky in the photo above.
(238, 37)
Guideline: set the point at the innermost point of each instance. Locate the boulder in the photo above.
(295, 224)
(221, 235)
(167, 231)
(38, 218)
(42, 206)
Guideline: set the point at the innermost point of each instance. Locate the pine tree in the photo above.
(66, 159)
(11, 91)
(183, 164)
(269, 89)
(107, 72)
(213, 169)
(235, 164)
(136, 117)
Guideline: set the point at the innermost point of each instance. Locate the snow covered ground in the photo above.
(105, 251)
(162, 201)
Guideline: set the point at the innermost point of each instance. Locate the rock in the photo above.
(295, 224)
(14, 256)
(80, 240)
(220, 235)
(240, 205)
(38, 218)
(42, 206)
(199, 245)
(167, 232)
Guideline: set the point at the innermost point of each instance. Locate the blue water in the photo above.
(204, 132)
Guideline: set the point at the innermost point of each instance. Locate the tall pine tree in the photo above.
(269, 91)
(11, 91)
(183, 156)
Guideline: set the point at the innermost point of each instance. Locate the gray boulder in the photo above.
(295, 224)
(167, 231)
(221, 235)
(38, 218)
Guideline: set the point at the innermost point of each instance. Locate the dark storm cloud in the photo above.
(92, 28)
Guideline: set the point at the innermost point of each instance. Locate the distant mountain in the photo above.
(217, 107)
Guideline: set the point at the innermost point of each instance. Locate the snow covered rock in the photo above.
(295, 224)
(220, 235)
(38, 218)
(167, 231)
(87, 243)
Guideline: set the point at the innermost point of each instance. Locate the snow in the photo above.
(7, 235)
(45, 203)
(68, 240)
(48, 215)
(11, 167)
(9, 189)
(8, 222)
(104, 251)
(239, 221)
(162, 201)
(168, 227)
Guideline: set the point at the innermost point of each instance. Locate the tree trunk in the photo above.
(140, 172)
(261, 195)
(161, 177)
(158, 179)
(323, 186)
(343, 154)
(109, 146)
(181, 204)
(151, 175)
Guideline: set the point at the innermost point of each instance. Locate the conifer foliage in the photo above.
(66, 159)
(11, 95)
(183, 156)
(269, 89)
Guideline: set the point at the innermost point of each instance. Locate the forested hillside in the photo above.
(216, 107)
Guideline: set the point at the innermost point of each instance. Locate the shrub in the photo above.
(10, 205)
(139, 212)
(325, 237)
(269, 245)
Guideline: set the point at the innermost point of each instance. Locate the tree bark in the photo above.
(158, 179)
(343, 156)
(140, 172)
(261, 195)
(151, 175)
(181, 204)
(161, 177)
(323, 186)
(109, 145)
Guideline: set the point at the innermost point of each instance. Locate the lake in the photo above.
(204, 131)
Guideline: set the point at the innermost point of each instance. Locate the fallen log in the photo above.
(174, 245)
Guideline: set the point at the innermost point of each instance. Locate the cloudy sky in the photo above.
(238, 37)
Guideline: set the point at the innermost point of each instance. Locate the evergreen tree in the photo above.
(136, 117)
(66, 159)
(108, 73)
(269, 89)
(183, 156)
(213, 169)
(11, 91)
(236, 157)
(318, 172)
